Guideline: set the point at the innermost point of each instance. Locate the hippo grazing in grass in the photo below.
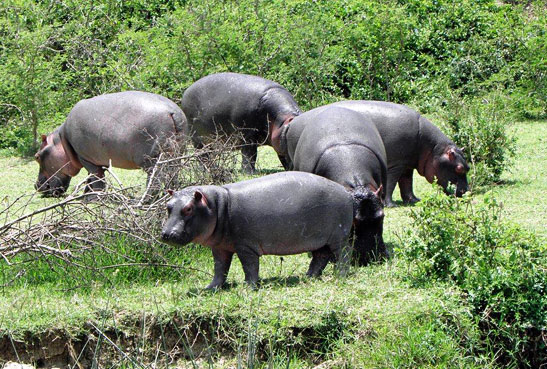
(345, 147)
(261, 217)
(225, 102)
(125, 129)
(413, 142)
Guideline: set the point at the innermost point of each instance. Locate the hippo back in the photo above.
(302, 208)
(397, 124)
(122, 128)
(334, 126)
(220, 102)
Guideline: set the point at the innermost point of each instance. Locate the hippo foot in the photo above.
(411, 200)
(214, 286)
(249, 170)
(390, 204)
(253, 285)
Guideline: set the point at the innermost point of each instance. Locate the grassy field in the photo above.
(369, 319)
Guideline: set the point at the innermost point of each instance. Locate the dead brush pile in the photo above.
(68, 233)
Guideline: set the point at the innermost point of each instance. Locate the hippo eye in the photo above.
(187, 210)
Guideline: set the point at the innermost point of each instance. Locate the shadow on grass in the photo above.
(290, 281)
(400, 203)
(264, 171)
(504, 184)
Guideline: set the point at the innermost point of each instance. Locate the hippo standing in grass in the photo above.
(125, 129)
(345, 146)
(412, 142)
(261, 217)
(225, 102)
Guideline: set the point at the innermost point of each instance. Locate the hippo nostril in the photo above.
(165, 236)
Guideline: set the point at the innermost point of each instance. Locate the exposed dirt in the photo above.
(140, 341)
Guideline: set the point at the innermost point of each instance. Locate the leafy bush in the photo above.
(56, 53)
(481, 129)
(499, 267)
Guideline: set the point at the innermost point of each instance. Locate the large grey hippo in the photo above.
(345, 146)
(279, 214)
(125, 129)
(412, 142)
(223, 103)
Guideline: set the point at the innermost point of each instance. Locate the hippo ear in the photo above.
(378, 192)
(451, 153)
(44, 138)
(170, 192)
(200, 198)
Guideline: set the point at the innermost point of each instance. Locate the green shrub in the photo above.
(481, 129)
(56, 53)
(499, 267)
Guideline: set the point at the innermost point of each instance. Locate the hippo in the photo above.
(413, 142)
(345, 147)
(260, 217)
(124, 129)
(224, 103)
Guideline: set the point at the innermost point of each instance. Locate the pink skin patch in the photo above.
(275, 134)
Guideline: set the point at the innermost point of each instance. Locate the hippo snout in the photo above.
(460, 191)
(174, 236)
(54, 186)
(461, 188)
(166, 235)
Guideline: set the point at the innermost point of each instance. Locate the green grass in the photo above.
(369, 319)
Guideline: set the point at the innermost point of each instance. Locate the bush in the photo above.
(499, 267)
(55, 54)
(480, 128)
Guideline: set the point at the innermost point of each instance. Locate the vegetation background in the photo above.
(475, 66)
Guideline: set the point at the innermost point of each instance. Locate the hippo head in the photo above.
(53, 177)
(189, 218)
(368, 212)
(449, 166)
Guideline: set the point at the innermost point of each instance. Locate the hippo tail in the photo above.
(366, 203)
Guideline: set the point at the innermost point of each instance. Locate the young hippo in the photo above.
(412, 142)
(278, 214)
(222, 103)
(125, 129)
(345, 147)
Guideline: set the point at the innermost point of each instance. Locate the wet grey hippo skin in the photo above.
(412, 142)
(222, 102)
(345, 146)
(124, 128)
(260, 217)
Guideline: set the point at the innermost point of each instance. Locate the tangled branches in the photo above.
(70, 233)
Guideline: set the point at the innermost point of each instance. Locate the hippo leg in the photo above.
(249, 262)
(369, 244)
(284, 162)
(393, 175)
(249, 152)
(319, 261)
(95, 181)
(342, 253)
(223, 260)
(405, 185)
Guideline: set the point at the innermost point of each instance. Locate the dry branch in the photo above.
(64, 232)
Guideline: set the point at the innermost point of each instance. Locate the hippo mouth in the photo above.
(176, 238)
(457, 191)
(52, 187)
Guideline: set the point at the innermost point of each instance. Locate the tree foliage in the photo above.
(56, 52)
